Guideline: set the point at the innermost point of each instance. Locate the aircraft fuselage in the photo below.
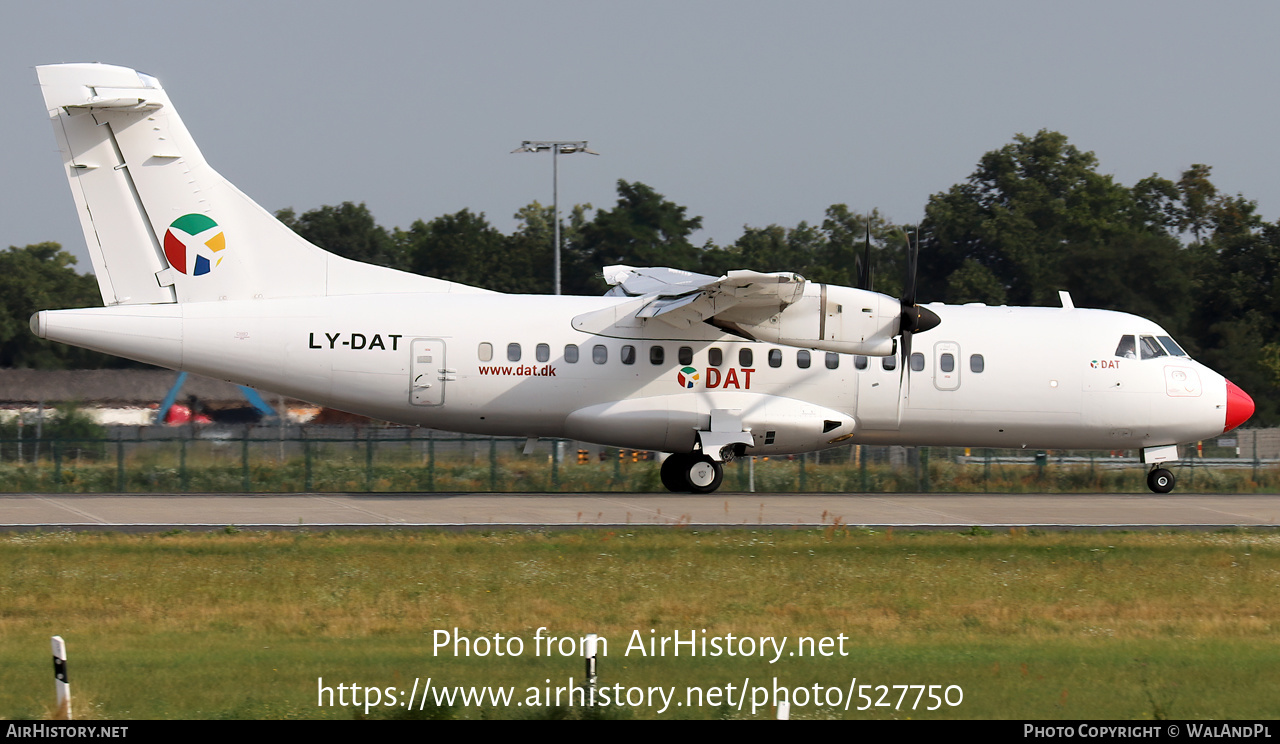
(504, 364)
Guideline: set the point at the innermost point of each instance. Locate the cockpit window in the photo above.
(1126, 349)
(1172, 346)
(1150, 348)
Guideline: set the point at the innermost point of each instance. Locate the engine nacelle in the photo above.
(834, 318)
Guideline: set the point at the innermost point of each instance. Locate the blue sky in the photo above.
(748, 113)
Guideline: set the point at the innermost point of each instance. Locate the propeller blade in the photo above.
(909, 291)
(904, 380)
(864, 266)
(914, 319)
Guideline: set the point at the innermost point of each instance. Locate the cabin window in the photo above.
(513, 352)
(715, 357)
(542, 352)
(775, 357)
(1150, 348)
(859, 362)
(833, 360)
(628, 354)
(486, 351)
(571, 353)
(802, 359)
(976, 363)
(745, 357)
(889, 363)
(917, 362)
(657, 354)
(599, 354)
(947, 363)
(1126, 349)
(685, 355)
(1172, 346)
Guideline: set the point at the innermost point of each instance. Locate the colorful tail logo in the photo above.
(194, 244)
(687, 377)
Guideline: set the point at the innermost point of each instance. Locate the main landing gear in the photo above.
(1160, 480)
(691, 473)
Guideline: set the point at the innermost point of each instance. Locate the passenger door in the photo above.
(427, 372)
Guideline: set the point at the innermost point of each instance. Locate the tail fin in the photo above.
(162, 226)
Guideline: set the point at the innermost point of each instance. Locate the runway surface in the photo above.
(138, 512)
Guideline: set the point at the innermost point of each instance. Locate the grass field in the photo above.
(1026, 625)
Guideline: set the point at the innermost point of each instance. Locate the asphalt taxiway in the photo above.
(146, 512)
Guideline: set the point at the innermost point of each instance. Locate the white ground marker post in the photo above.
(784, 710)
(60, 677)
(589, 651)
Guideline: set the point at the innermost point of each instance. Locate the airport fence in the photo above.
(408, 460)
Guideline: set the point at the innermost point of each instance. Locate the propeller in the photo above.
(864, 264)
(915, 319)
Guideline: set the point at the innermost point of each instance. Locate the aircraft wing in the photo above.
(682, 298)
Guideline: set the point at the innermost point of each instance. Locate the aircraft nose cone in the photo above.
(1239, 406)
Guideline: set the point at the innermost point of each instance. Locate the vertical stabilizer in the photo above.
(161, 225)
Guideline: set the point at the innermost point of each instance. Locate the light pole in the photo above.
(557, 148)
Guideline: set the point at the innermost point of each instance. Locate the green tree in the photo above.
(830, 253)
(460, 247)
(527, 252)
(1198, 199)
(1238, 299)
(772, 248)
(1158, 204)
(643, 229)
(973, 282)
(348, 230)
(1147, 274)
(846, 237)
(1017, 213)
(43, 277)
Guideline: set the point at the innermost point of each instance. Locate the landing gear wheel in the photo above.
(673, 471)
(691, 473)
(1160, 480)
(704, 475)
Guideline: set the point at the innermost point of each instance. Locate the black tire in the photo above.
(673, 472)
(703, 474)
(1160, 480)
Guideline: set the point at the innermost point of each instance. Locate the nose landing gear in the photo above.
(1160, 480)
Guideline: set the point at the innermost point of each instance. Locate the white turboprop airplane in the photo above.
(196, 276)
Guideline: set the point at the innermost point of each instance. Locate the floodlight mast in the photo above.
(567, 147)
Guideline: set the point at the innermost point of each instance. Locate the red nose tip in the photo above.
(1239, 406)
